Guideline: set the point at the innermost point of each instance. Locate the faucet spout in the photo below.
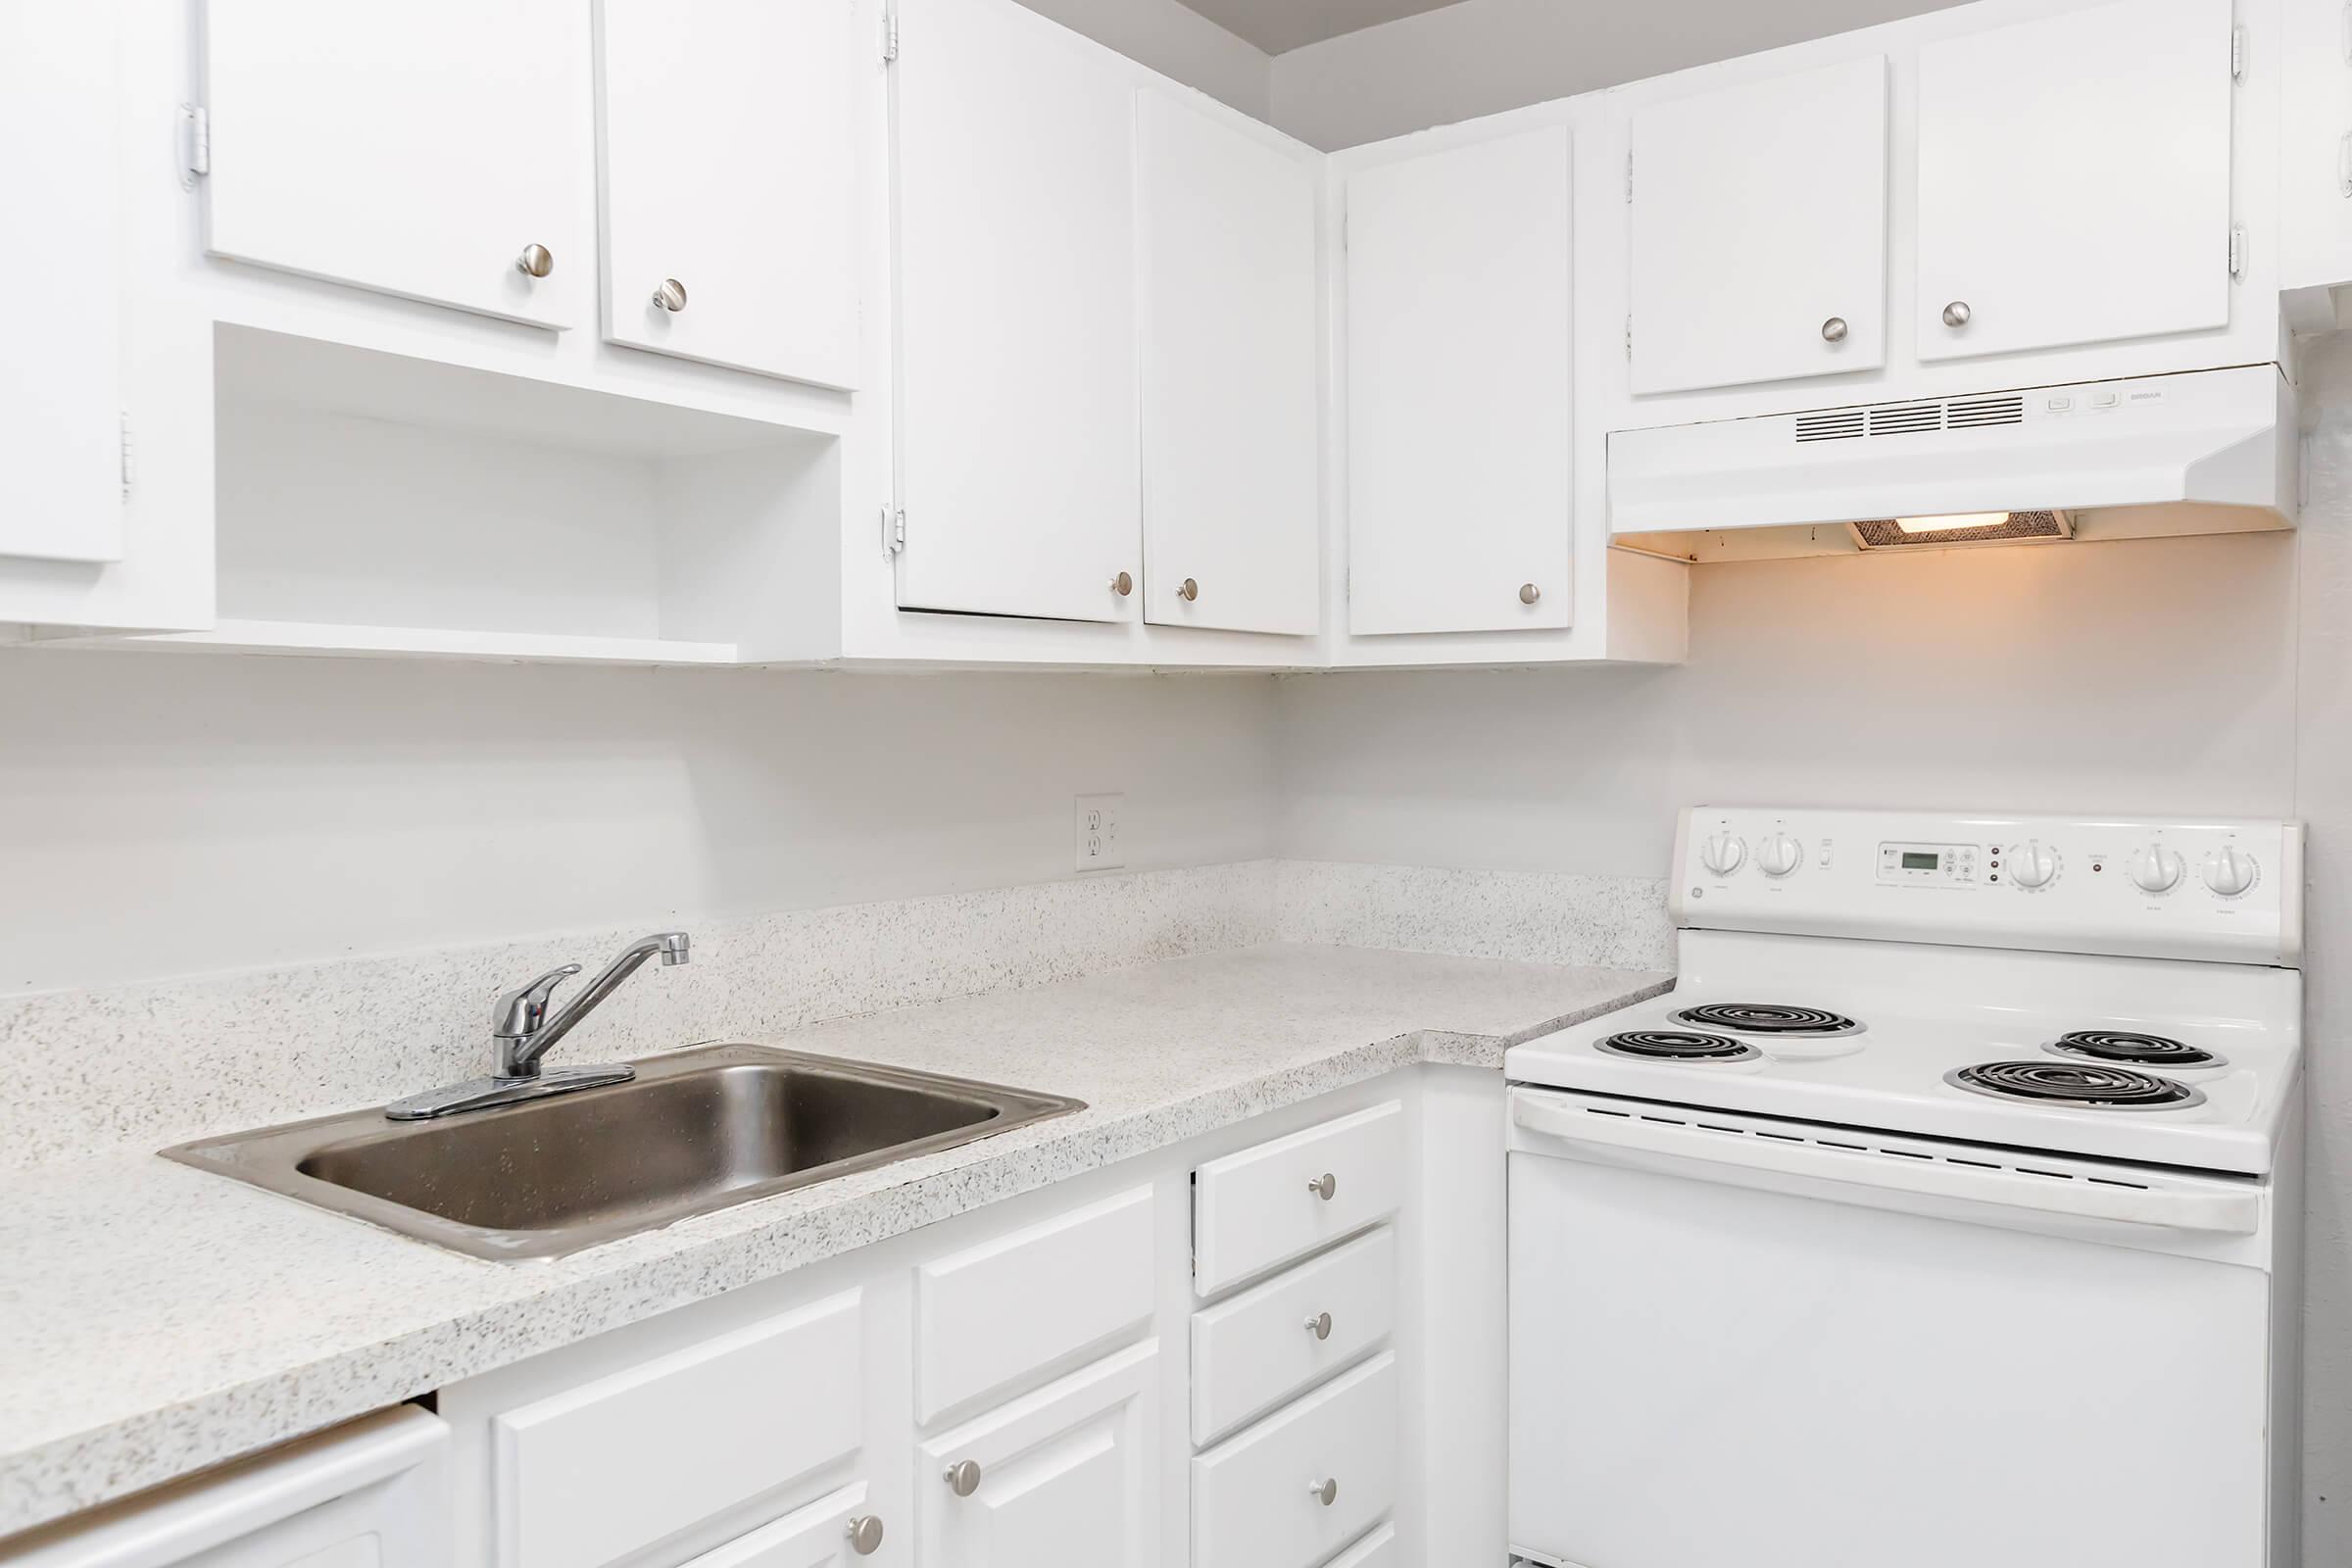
(526, 1035)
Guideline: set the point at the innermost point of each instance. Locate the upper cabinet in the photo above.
(1757, 231)
(729, 182)
(1020, 471)
(61, 426)
(1459, 385)
(2315, 187)
(2074, 180)
(425, 152)
(1231, 431)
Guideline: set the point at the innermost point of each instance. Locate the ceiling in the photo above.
(1277, 25)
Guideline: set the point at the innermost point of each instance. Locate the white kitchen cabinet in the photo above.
(60, 408)
(370, 1495)
(832, 1532)
(1263, 1205)
(1291, 1489)
(2074, 180)
(1460, 494)
(1757, 231)
(424, 152)
(1231, 412)
(1018, 469)
(2315, 186)
(729, 174)
(1067, 1476)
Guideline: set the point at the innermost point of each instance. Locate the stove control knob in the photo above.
(2156, 869)
(2229, 872)
(1723, 852)
(1779, 855)
(2032, 864)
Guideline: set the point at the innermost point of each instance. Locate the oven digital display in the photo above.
(1920, 860)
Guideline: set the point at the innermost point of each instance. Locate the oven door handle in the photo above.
(2220, 1212)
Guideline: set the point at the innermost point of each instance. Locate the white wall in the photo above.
(1481, 55)
(175, 812)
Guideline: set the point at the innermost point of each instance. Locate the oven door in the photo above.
(1740, 1343)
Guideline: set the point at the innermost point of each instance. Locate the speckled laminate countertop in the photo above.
(158, 1319)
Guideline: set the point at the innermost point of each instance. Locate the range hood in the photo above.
(2206, 452)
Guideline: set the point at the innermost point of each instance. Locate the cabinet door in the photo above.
(1459, 494)
(1018, 469)
(1758, 230)
(1231, 419)
(2315, 176)
(420, 152)
(61, 430)
(2074, 180)
(825, 1535)
(1066, 1478)
(729, 165)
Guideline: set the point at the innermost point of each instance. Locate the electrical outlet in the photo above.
(1097, 832)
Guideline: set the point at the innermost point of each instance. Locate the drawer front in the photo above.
(1255, 1502)
(595, 1474)
(1253, 1209)
(1259, 1349)
(1379, 1550)
(818, 1536)
(991, 1315)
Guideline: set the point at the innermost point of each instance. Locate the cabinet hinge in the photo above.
(127, 473)
(2238, 52)
(893, 529)
(890, 36)
(2237, 252)
(195, 141)
(1628, 179)
(1629, 339)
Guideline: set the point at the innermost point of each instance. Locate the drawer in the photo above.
(595, 1474)
(1379, 1550)
(818, 1536)
(1253, 1499)
(1251, 1353)
(992, 1314)
(1253, 1209)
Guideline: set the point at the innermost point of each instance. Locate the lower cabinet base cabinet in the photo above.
(1304, 1482)
(1064, 1478)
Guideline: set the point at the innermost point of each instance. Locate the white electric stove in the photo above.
(1946, 1211)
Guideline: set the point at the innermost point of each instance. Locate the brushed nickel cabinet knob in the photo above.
(1956, 313)
(964, 1476)
(1832, 330)
(866, 1535)
(1122, 585)
(1188, 590)
(1325, 1491)
(1319, 1325)
(670, 296)
(1529, 593)
(1324, 1185)
(536, 261)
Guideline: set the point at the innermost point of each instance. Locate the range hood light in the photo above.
(1957, 520)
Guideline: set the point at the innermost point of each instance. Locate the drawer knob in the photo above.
(866, 1535)
(964, 1476)
(1325, 1491)
(1188, 590)
(1324, 1185)
(1319, 1325)
(670, 296)
(1957, 314)
(1832, 330)
(536, 261)
(1122, 585)
(1529, 593)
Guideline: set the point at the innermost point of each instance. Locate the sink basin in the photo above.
(695, 1130)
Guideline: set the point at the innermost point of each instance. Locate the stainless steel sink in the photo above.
(694, 1131)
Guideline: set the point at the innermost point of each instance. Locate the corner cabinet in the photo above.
(1460, 392)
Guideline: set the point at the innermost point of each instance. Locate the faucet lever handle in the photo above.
(520, 1013)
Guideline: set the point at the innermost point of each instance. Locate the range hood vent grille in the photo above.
(1911, 418)
(2020, 527)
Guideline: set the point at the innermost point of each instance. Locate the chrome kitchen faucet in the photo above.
(523, 1033)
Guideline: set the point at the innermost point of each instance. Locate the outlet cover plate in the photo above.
(1097, 825)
